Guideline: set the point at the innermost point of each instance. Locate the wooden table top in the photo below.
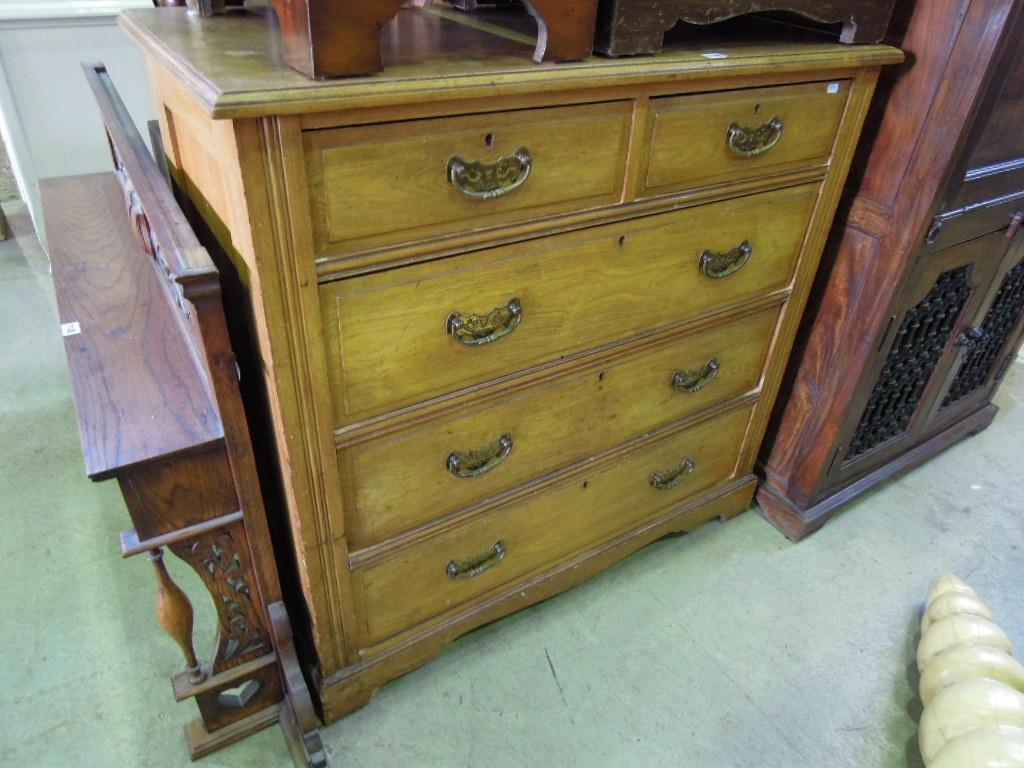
(232, 63)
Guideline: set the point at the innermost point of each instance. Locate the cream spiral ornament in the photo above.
(971, 686)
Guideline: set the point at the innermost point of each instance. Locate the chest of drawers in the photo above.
(505, 323)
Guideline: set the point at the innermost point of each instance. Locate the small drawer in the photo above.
(406, 479)
(407, 335)
(451, 568)
(704, 139)
(376, 185)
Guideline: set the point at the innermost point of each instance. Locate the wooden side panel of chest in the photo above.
(473, 340)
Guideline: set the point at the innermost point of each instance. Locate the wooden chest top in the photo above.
(233, 66)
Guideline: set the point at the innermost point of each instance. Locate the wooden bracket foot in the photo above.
(298, 718)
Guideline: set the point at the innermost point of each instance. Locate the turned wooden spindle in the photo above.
(174, 612)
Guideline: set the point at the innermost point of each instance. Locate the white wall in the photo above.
(47, 113)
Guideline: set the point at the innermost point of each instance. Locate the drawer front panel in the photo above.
(391, 342)
(453, 567)
(704, 139)
(376, 185)
(403, 480)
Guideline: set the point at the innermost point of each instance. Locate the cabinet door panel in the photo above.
(984, 347)
(914, 359)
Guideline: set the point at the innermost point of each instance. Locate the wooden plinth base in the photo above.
(797, 522)
(354, 686)
(202, 743)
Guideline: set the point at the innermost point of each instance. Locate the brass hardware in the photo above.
(750, 142)
(696, 379)
(671, 479)
(719, 265)
(486, 181)
(475, 330)
(479, 462)
(971, 337)
(460, 570)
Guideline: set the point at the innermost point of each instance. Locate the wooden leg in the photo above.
(565, 28)
(174, 612)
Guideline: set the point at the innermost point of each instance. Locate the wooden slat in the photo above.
(138, 392)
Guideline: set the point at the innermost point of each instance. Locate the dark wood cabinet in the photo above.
(921, 300)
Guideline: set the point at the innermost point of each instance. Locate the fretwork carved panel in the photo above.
(221, 560)
(996, 328)
(919, 344)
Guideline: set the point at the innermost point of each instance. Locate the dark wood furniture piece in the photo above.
(342, 38)
(920, 310)
(514, 322)
(630, 27)
(156, 391)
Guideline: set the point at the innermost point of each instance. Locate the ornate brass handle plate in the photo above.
(666, 481)
(695, 379)
(719, 265)
(468, 567)
(481, 461)
(751, 142)
(475, 330)
(486, 181)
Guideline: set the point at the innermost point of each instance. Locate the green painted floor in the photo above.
(729, 647)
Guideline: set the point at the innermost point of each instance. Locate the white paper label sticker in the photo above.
(833, 88)
(70, 329)
(715, 55)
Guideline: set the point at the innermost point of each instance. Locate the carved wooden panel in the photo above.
(920, 341)
(989, 341)
(628, 27)
(222, 561)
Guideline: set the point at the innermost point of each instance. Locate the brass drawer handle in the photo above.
(695, 380)
(671, 479)
(460, 570)
(479, 462)
(719, 265)
(750, 142)
(486, 181)
(475, 330)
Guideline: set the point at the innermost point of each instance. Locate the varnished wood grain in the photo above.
(411, 585)
(234, 69)
(374, 185)
(353, 687)
(601, 285)
(398, 481)
(136, 335)
(688, 147)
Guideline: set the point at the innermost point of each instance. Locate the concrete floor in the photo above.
(729, 647)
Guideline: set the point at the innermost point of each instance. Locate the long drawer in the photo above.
(704, 139)
(379, 184)
(398, 481)
(439, 572)
(410, 334)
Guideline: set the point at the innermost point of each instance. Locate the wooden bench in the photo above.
(156, 391)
